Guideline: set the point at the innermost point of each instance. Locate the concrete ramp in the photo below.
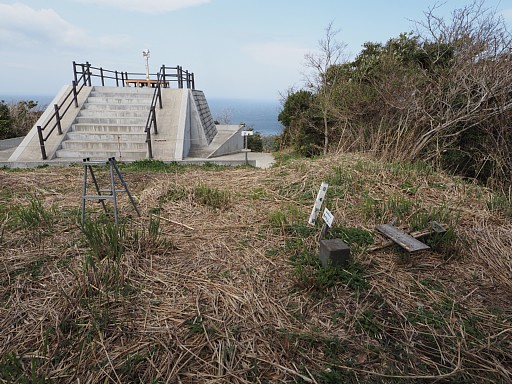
(28, 152)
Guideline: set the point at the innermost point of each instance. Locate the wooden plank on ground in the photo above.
(403, 239)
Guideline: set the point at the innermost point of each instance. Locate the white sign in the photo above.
(247, 133)
(328, 217)
(318, 203)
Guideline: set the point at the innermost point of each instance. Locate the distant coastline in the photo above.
(42, 100)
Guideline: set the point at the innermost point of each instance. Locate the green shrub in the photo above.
(212, 197)
(6, 131)
(35, 215)
(255, 142)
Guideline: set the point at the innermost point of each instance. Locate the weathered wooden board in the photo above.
(403, 239)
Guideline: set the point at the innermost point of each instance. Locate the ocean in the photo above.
(257, 114)
(261, 115)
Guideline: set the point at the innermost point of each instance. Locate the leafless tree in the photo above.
(330, 54)
(225, 116)
(24, 115)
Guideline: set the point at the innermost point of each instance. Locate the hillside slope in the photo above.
(219, 280)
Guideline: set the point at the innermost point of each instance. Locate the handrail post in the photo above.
(193, 81)
(117, 79)
(188, 78)
(160, 79)
(102, 78)
(41, 142)
(180, 78)
(88, 73)
(75, 96)
(148, 141)
(163, 74)
(153, 117)
(83, 73)
(57, 117)
(74, 72)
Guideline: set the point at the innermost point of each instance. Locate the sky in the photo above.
(237, 49)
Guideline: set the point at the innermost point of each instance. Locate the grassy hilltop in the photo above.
(219, 281)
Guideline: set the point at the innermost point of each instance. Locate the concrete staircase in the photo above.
(111, 123)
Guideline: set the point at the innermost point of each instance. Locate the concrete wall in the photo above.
(197, 133)
(234, 141)
(183, 133)
(205, 116)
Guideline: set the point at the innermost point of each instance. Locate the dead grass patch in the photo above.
(233, 293)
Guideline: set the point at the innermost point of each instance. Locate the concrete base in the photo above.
(334, 253)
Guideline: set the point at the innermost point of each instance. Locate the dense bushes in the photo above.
(17, 119)
(300, 117)
(441, 95)
(5, 121)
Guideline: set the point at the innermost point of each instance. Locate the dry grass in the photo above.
(230, 290)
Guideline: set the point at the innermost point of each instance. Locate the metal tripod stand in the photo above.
(105, 194)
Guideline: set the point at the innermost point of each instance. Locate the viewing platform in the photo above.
(106, 113)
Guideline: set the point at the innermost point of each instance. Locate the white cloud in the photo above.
(277, 54)
(148, 6)
(20, 24)
(23, 27)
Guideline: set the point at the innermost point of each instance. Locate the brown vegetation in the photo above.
(219, 282)
(440, 94)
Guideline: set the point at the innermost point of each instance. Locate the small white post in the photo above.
(145, 54)
(318, 203)
(245, 135)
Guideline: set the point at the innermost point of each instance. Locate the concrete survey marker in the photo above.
(318, 203)
(334, 253)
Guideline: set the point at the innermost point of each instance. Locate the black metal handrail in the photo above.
(84, 73)
(59, 111)
(151, 121)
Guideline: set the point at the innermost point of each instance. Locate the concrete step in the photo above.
(100, 155)
(111, 120)
(139, 137)
(104, 145)
(116, 107)
(123, 90)
(111, 128)
(111, 124)
(113, 113)
(106, 99)
(127, 95)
